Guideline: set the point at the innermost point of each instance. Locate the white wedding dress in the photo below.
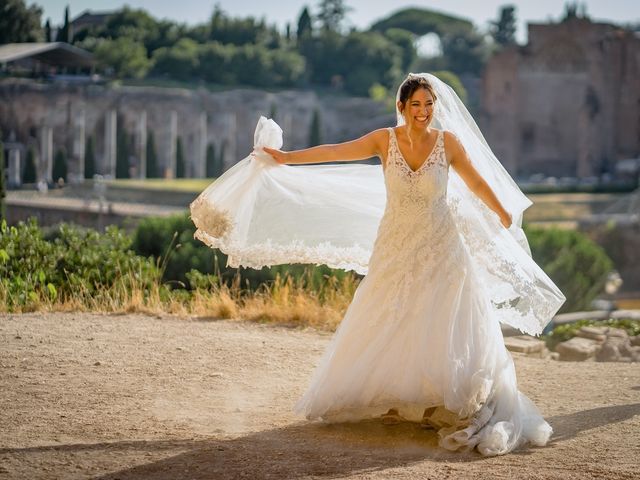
(419, 332)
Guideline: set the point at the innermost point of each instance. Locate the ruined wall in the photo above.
(567, 103)
(51, 117)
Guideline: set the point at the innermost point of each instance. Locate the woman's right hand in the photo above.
(278, 155)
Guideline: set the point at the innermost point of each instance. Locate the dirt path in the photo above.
(135, 397)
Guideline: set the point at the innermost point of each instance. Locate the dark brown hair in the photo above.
(413, 83)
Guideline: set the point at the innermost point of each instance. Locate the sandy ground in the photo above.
(135, 397)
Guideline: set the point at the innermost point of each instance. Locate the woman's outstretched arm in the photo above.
(460, 161)
(367, 146)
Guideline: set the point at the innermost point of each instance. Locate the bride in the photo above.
(445, 263)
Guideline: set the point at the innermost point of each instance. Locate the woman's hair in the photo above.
(413, 83)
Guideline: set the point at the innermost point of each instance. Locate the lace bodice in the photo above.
(411, 193)
(417, 230)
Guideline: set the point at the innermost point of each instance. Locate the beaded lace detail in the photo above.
(417, 232)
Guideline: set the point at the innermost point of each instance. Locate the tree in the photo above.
(215, 63)
(504, 29)
(465, 51)
(240, 31)
(305, 27)
(126, 57)
(19, 23)
(3, 215)
(59, 166)
(368, 58)
(315, 137)
(331, 14)
(152, 162)
(406, 41)
(137, 25)
(89, 159)
(181, 166)
(64, 34)
(47, 31)
(179, 61)
(29, 172)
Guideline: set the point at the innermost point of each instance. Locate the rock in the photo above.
(618, 348)
(524, 344)
(609, 352)
(617, 332)
(635, 341)
(578, 349)
(594, 333)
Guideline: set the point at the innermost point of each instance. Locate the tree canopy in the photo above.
(19, 22)
(317, 51)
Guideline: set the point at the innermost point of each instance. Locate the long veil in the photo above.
(261, 213)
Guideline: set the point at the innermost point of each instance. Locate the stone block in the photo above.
(594, 333)
(524, 344)
(578, 349)
(617, 332)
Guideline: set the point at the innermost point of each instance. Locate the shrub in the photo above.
(69, 262)
(576, 264)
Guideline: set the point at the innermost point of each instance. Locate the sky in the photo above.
(362, 14)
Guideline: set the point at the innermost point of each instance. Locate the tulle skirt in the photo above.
(415, 338)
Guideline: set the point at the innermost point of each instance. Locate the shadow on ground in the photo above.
(310, 449)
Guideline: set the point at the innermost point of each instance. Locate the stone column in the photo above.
(109, 158)
(78, 149)
(141, 144)
(45, 167)
(200, 160)
(287, 128)
(170, 148)
(14, 174)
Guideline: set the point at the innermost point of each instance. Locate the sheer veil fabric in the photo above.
(261, 213)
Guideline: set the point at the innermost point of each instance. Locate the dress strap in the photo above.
(392, 135)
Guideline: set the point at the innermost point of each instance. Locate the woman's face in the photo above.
(418, 111)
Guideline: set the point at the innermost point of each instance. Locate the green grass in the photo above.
(194, 185)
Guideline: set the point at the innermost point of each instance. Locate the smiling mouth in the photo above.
(421, 119)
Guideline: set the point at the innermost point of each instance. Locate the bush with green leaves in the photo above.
(66, 261)
(574, 262)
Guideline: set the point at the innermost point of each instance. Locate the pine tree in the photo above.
(89, 159)
(504, 30)
(29, 172)
(331, 14)
(152, 162)
(59, 166)
(47, 31)
(305, 27)
(3, 215)
(64, 32)
(315, 137)
(180, 163)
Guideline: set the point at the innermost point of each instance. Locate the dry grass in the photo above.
(286, 301)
